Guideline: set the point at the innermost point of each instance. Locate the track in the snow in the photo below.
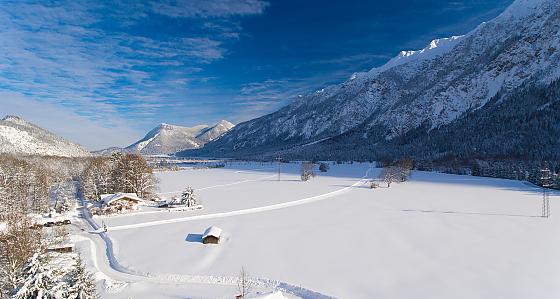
(244, 211)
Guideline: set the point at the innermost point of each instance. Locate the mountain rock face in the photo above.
(20, 137)
(417, 91)
(169, 139)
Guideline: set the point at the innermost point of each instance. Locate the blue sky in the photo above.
(104, 73)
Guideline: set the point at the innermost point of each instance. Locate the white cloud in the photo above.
(94, 134)
(206, 8)
(261, 97)
(64, 59)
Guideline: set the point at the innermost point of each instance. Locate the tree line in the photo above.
(127, 173)
(45, 185)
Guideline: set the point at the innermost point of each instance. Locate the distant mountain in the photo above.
(20, 137)
(420, 94)
(169, 139)
(214, 132)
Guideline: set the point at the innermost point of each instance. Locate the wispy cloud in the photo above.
(353, 60)
(261, 97)
(81, 56)
(205, 8)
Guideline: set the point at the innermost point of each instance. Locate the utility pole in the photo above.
(546, 183)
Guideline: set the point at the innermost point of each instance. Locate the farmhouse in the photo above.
(120, 201)
(212, 235)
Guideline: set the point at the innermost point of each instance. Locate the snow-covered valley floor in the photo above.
(436, 236)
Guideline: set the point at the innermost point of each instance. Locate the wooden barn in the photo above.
(212, 235)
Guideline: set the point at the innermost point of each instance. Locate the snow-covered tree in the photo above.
(306, 171)
(389, 174)
(97, 177)
(38, 280)
(133, 174)
(188, 197)
(17, 244)
(82, 284)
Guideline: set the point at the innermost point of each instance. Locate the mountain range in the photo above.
(423, 103)
(493, 92)
(169, 139)
(18, 136)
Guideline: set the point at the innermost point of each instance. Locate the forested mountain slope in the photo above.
(418, 94)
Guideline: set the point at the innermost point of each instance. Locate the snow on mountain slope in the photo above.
(18, 136)
(216, 131)
(433, 86)
(169, 139)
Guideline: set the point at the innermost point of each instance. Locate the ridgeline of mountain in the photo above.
(20, 137)
(169, 139)
(421, 103)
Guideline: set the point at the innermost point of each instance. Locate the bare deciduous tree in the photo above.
(120, 173)
(244, 284)
(96, 178)
(306, 171)
(133, 174)
(405, 168)
(389, 174)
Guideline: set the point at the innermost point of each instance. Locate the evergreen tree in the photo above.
(82, 285)
(38, 282)
(188, 197)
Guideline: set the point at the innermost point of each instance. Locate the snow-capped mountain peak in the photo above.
(430, 87)
(435, 48)
(169, 139)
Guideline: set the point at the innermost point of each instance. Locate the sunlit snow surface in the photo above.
(437, 236)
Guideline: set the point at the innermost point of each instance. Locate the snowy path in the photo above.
(245, 211)
(106, 262)
(102, 242)
(223, 185)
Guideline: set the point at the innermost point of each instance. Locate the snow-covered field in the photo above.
(436, 236)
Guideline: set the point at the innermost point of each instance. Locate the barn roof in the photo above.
(109, 198)
(213, 231)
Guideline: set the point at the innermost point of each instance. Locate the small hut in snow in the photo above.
(212, 235)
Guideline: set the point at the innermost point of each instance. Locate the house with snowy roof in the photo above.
(118, 202)
(212, 235)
